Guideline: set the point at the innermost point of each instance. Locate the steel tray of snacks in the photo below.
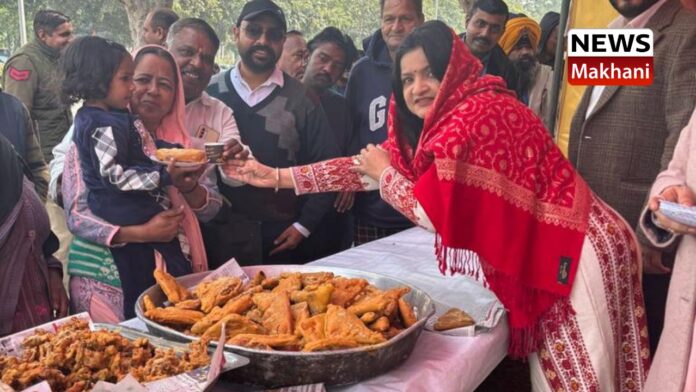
(337, 367)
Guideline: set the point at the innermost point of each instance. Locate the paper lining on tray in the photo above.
(197, 380)
(230, 268)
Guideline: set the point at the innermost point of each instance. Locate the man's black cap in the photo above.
(255, 8)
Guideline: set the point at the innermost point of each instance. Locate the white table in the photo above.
(438, 362)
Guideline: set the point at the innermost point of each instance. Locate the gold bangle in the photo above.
(277, 184)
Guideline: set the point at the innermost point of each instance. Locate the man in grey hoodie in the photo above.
(368, 92)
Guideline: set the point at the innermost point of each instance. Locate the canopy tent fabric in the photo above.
(583, 14)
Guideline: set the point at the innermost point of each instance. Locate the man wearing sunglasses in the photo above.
(284, 127)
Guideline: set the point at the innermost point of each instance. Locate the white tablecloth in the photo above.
(438, 362)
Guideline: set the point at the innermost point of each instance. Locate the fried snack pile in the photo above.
(181, 154)
(75, 358)
(292, 312)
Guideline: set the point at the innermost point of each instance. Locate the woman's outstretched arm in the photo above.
(333, 175)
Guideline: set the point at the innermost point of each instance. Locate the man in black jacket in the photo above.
(331, 53)
(485, 24)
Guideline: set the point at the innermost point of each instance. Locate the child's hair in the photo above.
(87, 66)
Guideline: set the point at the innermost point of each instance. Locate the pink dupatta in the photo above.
(173, 130)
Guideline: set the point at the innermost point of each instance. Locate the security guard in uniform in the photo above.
(31, 75)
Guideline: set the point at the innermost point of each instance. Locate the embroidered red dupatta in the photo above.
(492, 181)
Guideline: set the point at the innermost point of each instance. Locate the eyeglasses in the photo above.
(255, 31)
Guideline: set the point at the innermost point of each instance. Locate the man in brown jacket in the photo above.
(621, 137)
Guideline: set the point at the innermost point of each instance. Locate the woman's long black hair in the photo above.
(435, 38)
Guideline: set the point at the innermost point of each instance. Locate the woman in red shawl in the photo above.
(465, 159)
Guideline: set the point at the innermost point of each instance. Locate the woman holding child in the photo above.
(158, 100)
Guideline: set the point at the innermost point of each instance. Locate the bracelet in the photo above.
(190, 191)
(277, 184)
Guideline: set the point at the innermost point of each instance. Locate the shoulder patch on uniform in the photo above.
(19, 75)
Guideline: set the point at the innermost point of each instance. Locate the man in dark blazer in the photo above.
(621, 137)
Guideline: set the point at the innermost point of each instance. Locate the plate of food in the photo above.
(297, 324)
(185, 157)
(74, 354)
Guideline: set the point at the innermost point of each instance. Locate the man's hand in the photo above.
(235, 150)
(287, 240)
(652, 262)
(344, 201)
(57, 294)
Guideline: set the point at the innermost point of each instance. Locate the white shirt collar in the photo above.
(276, 78)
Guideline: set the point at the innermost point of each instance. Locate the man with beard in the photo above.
(283, 126)
(368, 91)
(485, 24)
(292, 60)
(331, 53)
(520, 42)
(621, 137)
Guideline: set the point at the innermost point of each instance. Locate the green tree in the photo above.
(105, 18)
(121, 20)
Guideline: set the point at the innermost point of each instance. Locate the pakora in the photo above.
(76, 358)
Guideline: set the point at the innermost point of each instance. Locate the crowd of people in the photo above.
(328, 146)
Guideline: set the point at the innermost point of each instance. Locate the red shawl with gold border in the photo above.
(492, 181)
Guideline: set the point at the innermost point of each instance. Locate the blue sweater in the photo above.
(124, 184)
(368, 92)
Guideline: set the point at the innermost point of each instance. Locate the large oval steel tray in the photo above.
(279, 368)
